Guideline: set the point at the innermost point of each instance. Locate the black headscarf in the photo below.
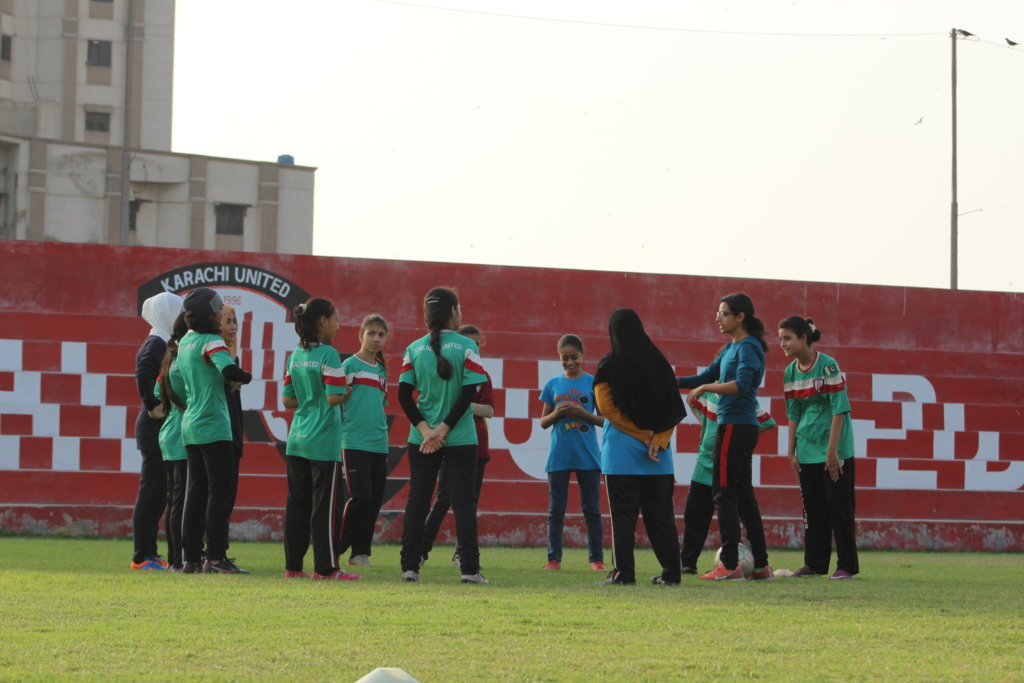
(643, 383)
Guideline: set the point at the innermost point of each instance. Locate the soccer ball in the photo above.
(746, 559)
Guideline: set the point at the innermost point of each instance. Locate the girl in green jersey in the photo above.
(820, 449)
(205, 365)
(314, 386)
(364, 439)
(444, 367)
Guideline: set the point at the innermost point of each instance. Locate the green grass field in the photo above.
(71, 608)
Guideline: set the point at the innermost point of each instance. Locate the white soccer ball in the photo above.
(746, 559)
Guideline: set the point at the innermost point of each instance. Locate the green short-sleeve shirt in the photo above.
(310, 376)
(201, 357)
(364, 426)
(171, 446)
(436, 395)
(812, 398)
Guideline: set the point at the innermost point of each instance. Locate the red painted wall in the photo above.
(936, 383)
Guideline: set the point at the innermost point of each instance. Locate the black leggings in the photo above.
(700, 509)
(457, 464)
(177, 480)
(366, 474)
(829, 508)
(208, 500)
(149, 505)
(443, 502)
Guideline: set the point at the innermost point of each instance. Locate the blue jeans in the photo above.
(590, 500)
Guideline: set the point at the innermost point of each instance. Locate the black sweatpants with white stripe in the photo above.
(629, 495)
(311, 509)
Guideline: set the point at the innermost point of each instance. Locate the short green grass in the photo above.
(71, 608)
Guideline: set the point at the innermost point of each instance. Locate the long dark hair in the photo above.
(203, 323)
(741, 303)
(307, 320)
(801, 327)
(375, 319)
(437, 311)
(167, 395)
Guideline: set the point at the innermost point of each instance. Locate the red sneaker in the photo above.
(721, 573)
(597, 567)
(763, 574)
(553, 565)
(289, 574)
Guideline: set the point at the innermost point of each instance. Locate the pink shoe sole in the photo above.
(336, 576)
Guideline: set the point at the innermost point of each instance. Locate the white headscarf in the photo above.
(160, 311)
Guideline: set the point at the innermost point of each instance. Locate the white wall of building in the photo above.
(295, 211)
(70, 190)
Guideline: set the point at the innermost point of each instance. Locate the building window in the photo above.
(133, 214)
(5, 48)
(99, 53)
(97, 122)
(230, 218)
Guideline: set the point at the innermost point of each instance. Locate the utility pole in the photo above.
(127, 119)
(953, 206)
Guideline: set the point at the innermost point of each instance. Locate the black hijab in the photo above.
(643, 383)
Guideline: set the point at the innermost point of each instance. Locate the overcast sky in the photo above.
(805, 140)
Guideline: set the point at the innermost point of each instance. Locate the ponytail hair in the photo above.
(167, 395)
(307, 320)
(375, 319)
(741, 303)
(801, 327)
(570, 340)
(437, 313)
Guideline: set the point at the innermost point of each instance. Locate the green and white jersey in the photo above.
(437, 396)
(201, 357)
(364, 426)
(706, 411)
(812, 398)
(310, 376)
(171, 447)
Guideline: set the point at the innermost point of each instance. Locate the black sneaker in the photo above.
(688, 570)
(192, 568)
(615, 579)
(238, 570)
(660, 581)
(225, 566)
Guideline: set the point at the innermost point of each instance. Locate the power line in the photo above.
(1001, 46)
(642, 27)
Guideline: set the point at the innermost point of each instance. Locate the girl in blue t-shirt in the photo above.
(569, 408)
(735, 375)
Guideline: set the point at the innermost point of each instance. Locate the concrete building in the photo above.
(67, 116)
